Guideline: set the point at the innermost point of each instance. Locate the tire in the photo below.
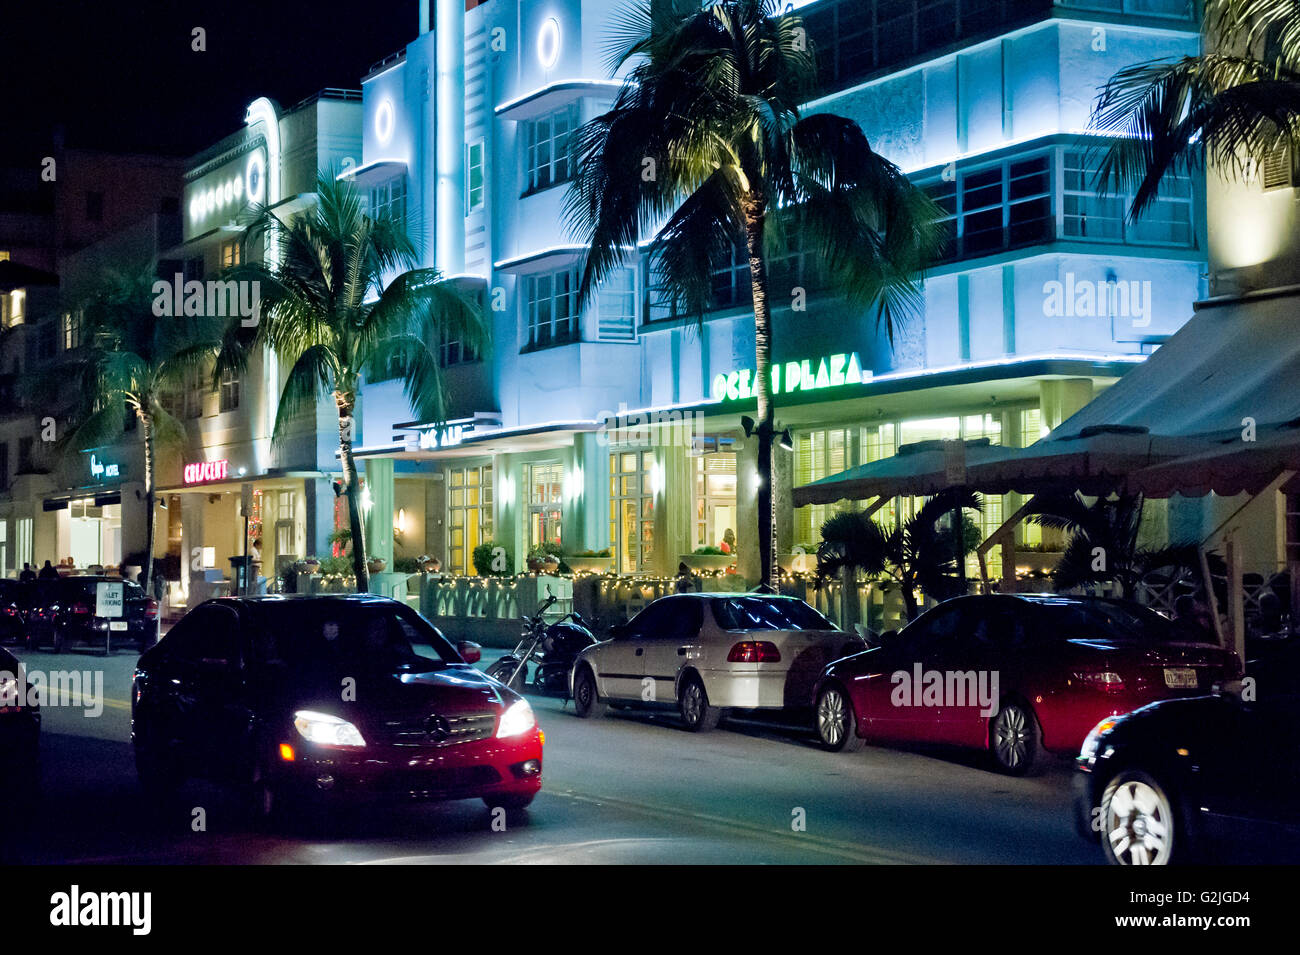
(586, 701)
(693, 703)
(501, 670)
(1016, 740)
(1140, 822)
(834, 718)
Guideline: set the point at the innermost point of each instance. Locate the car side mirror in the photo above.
(470, 651)
(618, 631)
(887, 637)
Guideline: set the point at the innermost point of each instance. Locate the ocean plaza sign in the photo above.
(789, 377)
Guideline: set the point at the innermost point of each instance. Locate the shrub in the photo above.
(709, 551)
(482, 557)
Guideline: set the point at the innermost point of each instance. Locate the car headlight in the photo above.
(327, 729)
(1092, 744)
(517, 719)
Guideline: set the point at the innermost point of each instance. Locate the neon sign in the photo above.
(830, 372)
(198, 472)
(102, 470)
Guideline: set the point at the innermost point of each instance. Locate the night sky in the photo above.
(121, 76)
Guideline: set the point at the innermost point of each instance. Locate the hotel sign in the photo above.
(104, 470)
(200, 472)
(793, 376)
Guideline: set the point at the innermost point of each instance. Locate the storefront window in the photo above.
(545, 496)
(286, 524)
(715, 497)
(819, 454)
(631, 510)
(469, 514)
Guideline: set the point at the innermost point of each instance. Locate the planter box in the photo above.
(707, 562)
(590, 565)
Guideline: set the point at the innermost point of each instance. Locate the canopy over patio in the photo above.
(922, 468)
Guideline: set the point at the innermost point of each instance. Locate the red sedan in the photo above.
(1016, 675)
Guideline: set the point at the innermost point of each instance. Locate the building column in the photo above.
(135, 521)
(380, 520)
(1059, 398)
(507, 528)
(674, 508)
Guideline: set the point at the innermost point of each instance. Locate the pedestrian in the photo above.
(28, 574)
(48, 572)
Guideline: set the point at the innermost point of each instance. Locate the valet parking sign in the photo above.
(109, 600)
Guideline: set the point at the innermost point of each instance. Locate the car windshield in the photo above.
(1110, 620)
(767, 613)
(347, 637)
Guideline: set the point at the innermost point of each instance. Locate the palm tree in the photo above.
(706, 149)
(136, 360)
(327, 311)
(919, 554)
(1232, 104)
(1103, 546)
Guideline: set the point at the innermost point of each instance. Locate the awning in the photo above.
(1236, 359)
(922, 468)
(1232, 466)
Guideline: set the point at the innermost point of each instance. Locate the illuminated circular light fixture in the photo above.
(384, 121)
(548, 43)
(230, 192)
(255, 178)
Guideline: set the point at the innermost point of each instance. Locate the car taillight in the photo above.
(151, 608)
(79, 608)
(754, 651)
(1108, 681)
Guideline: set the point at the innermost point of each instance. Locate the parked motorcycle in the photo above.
(550, 648)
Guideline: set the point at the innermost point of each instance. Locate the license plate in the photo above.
(1180, 678)
(122, 625)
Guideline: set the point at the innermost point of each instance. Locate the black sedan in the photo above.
(307, 702)
(69, 611)
(20, 720)
(1208, 779)
(15, 598)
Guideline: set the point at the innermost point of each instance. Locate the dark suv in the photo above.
(67, 611)
(308, 701)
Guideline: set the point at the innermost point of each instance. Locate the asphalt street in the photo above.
(623, 789)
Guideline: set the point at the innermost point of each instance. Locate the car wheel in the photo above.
(501, 671)
(586, 702)
(697, 714)
(836, 726)
(510, 802)
(1140, 825)
(1016, 740)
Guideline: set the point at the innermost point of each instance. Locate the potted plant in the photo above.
(546, 559)
(492, 560)
(376, 565)
(591, 561)
(708, 559)
(308, 565)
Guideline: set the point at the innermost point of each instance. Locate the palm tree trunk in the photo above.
(346, 403)
(755, 212)
(146, 427)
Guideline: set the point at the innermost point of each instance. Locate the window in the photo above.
(548, 143)
(819, 454)
(13, 307)
(995, 208)
(231, 253)
(455, 353)
(469, 515)
(767, 613)
(194, 392)
(474, 182)
(715, 497)
(1088, 215)
(72, 330)
(25, 445)
(4, 465)
(545, 495)
(94, 206)
(389, 199)
(229, 390)
(631, 510)
(553, 308)
(4, 255)
(616, 307)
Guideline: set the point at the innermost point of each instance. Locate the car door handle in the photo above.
(640, 650)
